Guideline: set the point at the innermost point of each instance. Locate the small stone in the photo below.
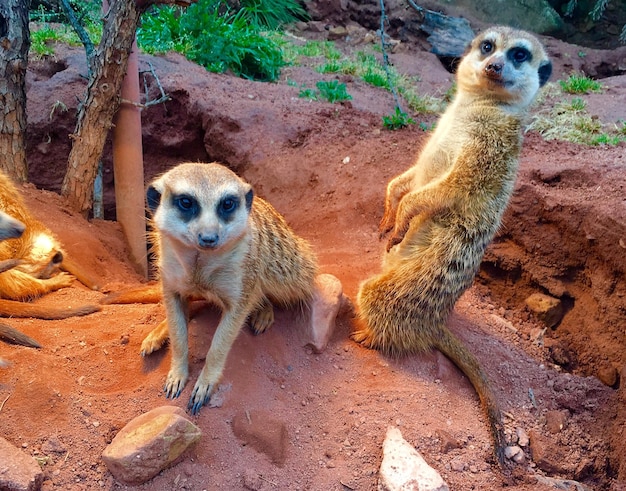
(522, 437)
(556, 421)
(448, 442)
(608, 376)
(548, 455)
(324, 309)
(337, 32)
(547, 309)
(403, 468)
(514, 453)
(458, 465)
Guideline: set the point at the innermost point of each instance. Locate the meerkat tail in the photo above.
(456, 351)
(70, 266)
(11, 335)
(141, 294)
(11, 308)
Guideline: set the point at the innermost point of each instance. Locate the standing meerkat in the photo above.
(215, 240)
(445, 210)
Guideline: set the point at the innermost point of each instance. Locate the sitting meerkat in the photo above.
(444, 211)
(216, 241)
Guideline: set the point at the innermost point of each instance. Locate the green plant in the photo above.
(208, 34)
(272, 14)
(333, 91)
(310, 94)
(580, 84)
(41, 40)
(399, 119)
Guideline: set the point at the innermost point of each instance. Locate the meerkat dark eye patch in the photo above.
(153, 198)
(519, 55)
(249, 198)
(545, 70)
(227, 207)
(187, 206)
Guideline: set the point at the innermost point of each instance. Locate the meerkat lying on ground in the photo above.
(38, 260)
(215, 240)
(445, 210)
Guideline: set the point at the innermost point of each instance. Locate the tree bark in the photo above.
(14, 45)
(102, 100)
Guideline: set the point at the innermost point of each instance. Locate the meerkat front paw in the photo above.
(61, 280)
(199, 397)
(175, 382)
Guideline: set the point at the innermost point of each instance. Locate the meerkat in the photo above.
(215, 240)
(43, 267)
(444, 211)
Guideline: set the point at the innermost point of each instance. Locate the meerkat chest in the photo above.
(215, 275)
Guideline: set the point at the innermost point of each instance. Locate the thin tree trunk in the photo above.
(96, 113)
(14, 45)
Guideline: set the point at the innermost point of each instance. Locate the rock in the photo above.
(324, 309)
(608, 376)
(522, 437)
(403, 468)
(264, 433)
(531, 15)
(149, 443)
(18, 471)
(556, 421)
(548, 456)
(337, 32)
(448, 442)
(514, 453)
(547, 309)
(449, 36)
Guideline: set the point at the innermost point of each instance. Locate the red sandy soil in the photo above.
(325, 168)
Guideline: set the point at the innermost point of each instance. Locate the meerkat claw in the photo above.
(197, 400)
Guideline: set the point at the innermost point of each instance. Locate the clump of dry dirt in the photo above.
(325, 168)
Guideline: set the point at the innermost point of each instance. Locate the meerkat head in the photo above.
(504, 64)
(202, 206)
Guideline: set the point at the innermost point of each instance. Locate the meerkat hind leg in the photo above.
(262, 317)
(156, 339)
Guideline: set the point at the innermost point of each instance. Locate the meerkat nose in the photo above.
(208, 240)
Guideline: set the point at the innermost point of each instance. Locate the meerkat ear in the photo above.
(545, 70)
(153, 198)
(249, 197)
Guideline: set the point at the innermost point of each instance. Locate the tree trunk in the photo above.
(14, 45)
(96, 113)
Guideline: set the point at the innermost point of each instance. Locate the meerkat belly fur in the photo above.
(215, 240)
(444, 211)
